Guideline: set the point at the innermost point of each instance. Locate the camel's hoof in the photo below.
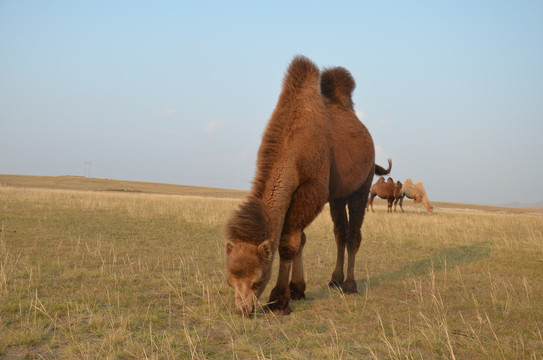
(276, 309)
(349, 287)
(295, 295)
(278, 301)
(297, 292)
(335, 284)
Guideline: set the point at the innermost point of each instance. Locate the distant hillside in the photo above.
(535, 205)
(95, 184)
(81, 183)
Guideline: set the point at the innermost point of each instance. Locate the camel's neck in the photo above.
(276, 195)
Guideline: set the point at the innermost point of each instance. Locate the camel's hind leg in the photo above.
(339, 217)
(357, 209)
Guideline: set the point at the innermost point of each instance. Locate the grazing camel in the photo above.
(417, 193)
(389, 190)
(314, 150)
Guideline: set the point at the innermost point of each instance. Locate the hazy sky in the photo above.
(178, 92)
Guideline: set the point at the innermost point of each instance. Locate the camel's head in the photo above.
(427, 204)
(398, 189)
(248, 270)
(248, 253)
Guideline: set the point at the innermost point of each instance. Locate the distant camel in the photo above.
(418, 194)
(398, 197)
(314, 150)
(389, 190)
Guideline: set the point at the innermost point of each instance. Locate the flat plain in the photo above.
(95, 268)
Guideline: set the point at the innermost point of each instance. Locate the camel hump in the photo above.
(337, 84)
(301, 73)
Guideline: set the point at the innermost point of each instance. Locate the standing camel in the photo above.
(389, 190)
(314, 150)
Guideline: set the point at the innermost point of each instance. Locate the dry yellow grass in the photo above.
(97, 274)
(111, 185)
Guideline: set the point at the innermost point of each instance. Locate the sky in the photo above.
(180, 92)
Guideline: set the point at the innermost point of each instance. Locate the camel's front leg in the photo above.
(416, 204)
(306, 203)
(297, 281)
(370, 203)
(280, 295)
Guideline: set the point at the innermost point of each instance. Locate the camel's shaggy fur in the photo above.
(314, 150)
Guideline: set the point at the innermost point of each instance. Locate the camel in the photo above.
(417, 193)
(398, 195)
(389, 190)
(314, 150)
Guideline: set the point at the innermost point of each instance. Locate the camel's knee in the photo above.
(340, 230)
(353, 242)
(288, 251)
(291, 244)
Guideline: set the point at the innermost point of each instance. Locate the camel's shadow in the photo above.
(438, 262)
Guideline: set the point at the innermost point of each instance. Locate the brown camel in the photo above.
(314, 150)
(388, 190)
(398, 197)
(417, 193)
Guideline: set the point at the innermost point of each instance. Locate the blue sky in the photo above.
(180, 92)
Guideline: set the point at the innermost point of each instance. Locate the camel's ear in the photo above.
(264, 251)
(229, 247)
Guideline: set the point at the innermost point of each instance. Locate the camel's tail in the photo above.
(379, 170)
(337, 85)
(302, 73)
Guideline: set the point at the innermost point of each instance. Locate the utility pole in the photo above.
(87, 169)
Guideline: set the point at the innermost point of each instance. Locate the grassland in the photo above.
(95, 271)
(111, 185)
